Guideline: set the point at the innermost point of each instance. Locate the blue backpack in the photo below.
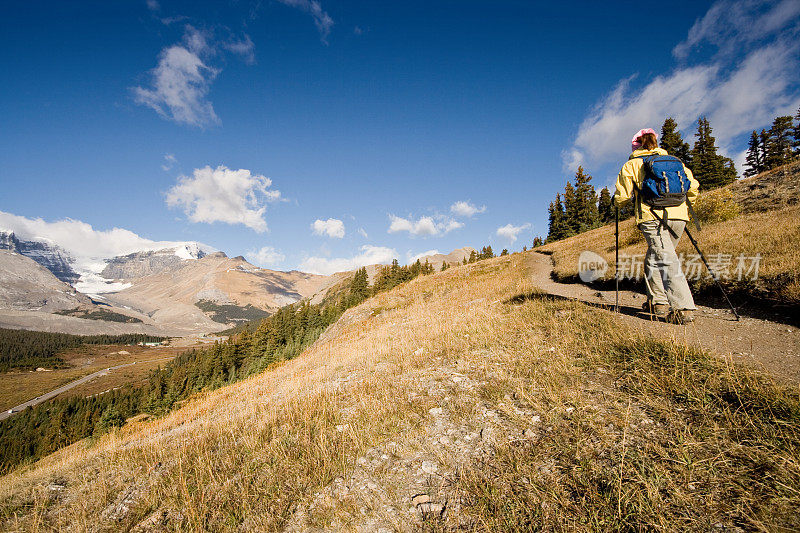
(665, 182)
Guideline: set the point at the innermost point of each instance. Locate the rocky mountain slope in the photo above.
(50, 256)
(29, 286)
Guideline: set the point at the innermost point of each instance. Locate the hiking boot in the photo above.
(684, 316)
(655, 309)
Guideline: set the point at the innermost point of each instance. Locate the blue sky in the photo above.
(321, 135)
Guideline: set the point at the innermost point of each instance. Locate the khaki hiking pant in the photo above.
(663, 277)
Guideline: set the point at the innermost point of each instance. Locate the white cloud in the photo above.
(363, 233)
(87, 246)
(224, 195)
(466, 209)
(736, 93)
(332, 227)
(322, 20)
(169, 162)
(266, 256)
(412, 258)
(180, 82)
(425, 226)
(510, 232)
(370, 255)
(153, 5)
(731, 24)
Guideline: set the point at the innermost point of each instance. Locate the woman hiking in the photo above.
(668, 294)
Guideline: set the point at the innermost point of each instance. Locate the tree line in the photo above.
(579, 208)
(26, 350)
(774, 147)
(38, 431)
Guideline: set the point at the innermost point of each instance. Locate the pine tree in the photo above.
(605, 207)
(711, 169)
(444, 266)
(571, 210)
(763, 148)
(586, 200)
(504, 252)
(537, 241)
(796, 135)
(755, 165)
(779, 149)
(557, 224)
(673, 143)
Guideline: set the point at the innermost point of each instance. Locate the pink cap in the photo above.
(635, 141)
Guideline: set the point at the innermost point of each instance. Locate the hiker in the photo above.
(668, 294)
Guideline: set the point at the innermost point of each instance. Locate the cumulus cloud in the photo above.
(510, 231)
(322, 20)
(332, 227)
(180, 82)
(424, 226)
(86, 245)
(412, 258)
(466, 209)
(266, 256)
(370, 255)
(224, 195)
(738, 93)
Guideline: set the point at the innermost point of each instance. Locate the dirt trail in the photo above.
(770, 346)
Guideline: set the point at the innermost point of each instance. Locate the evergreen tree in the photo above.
(444, 266)
(586, 201)
(571, 210)
(763, 148)
(779, 149)
(673, 143)
(557, 224)
(537, 241)
(605, 207)
(711, 169)
(755, 165)
(796, 135)
(504, 252)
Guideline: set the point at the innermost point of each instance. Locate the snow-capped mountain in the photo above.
(50, 256)
(140, 264)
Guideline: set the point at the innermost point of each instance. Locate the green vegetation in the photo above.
(45, 428)
(26, 350)
(776, 147)
(227, 313)
(99, 314)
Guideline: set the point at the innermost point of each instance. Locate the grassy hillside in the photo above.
(768, 224)
(460, 400)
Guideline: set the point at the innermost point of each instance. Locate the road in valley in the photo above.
(53, 393)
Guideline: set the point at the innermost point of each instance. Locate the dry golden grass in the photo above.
(247, 457)
(775, 235)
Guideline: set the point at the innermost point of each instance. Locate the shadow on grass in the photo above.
(542, 296)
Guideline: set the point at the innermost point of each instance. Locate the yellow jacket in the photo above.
(630, 180)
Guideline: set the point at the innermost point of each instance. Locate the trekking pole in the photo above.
(616, 259)
(703, 257)
(713, 274)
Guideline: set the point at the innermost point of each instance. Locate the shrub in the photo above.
(716, 206)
